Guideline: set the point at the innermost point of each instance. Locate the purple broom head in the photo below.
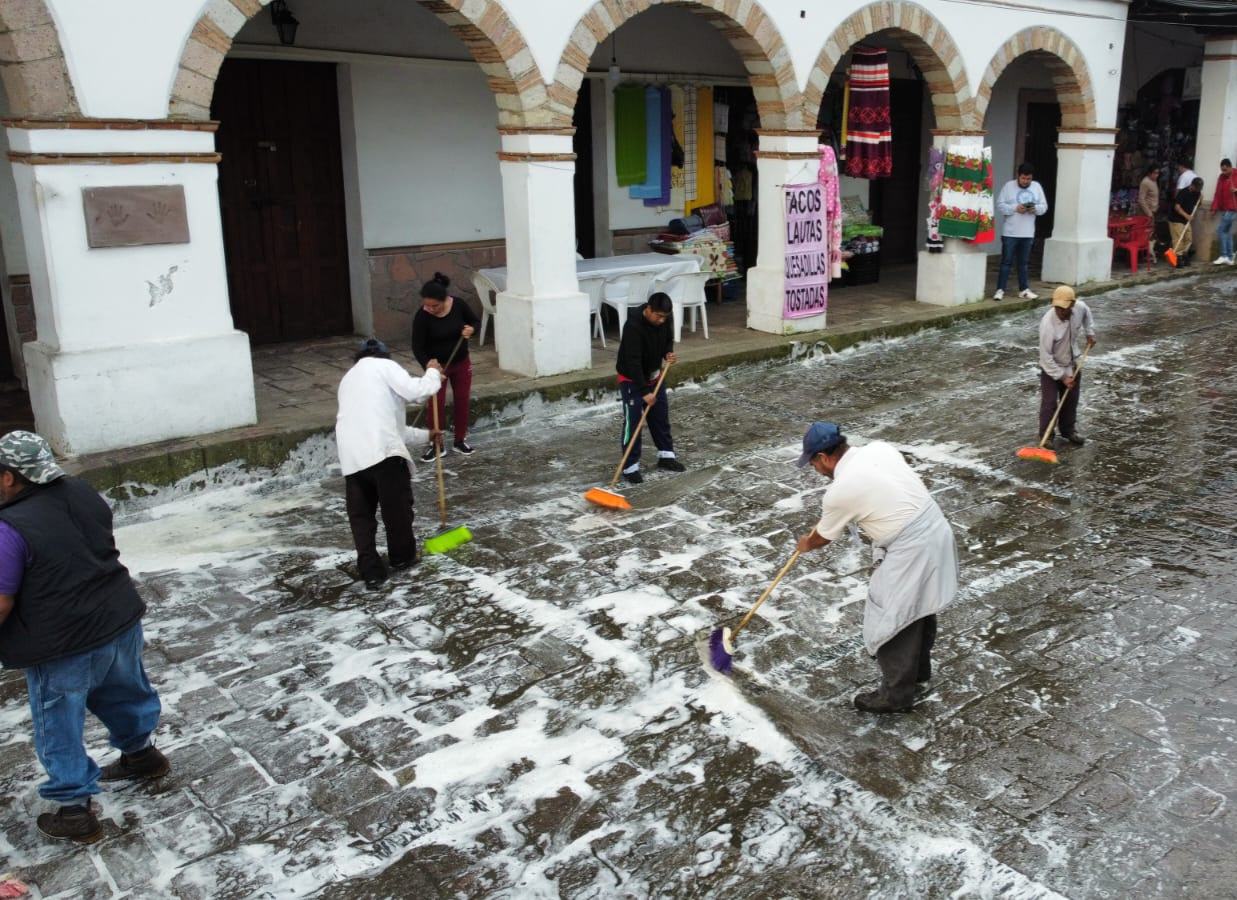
(721, 650)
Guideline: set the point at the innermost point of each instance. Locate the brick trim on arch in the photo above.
(483, 25)
(32, 64)
(925, 39)
(1070, 76)
(743, 23)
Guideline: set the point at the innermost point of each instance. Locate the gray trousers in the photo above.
(905, 659)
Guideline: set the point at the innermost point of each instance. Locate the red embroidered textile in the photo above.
(869, 130)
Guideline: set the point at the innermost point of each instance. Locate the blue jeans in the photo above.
(111, 683)
(1225, 231)
(1019, 247)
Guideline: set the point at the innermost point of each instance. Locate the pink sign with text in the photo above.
(807, 251)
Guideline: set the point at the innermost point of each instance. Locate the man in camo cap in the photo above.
(71, 617)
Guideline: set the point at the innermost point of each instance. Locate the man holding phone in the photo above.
(1020, 202)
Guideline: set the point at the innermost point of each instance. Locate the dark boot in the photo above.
(148, 763)
(877, 702)
(1076, 439)
(71, 823)
(670, 464)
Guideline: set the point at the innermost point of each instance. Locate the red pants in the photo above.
(459, 376)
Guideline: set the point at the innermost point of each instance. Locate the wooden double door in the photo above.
(282, 199)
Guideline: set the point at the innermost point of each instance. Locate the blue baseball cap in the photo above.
(821, 437)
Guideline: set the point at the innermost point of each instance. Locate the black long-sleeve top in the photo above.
(434, 337)
(643, 348)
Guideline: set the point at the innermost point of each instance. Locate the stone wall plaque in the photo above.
(135, 216)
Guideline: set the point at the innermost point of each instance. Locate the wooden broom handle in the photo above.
(442, 488)
(765, 596)
(639, 428)
(1061, 404)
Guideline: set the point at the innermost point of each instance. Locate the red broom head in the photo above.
(1039, 454)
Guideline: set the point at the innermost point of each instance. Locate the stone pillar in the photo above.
(1080, 249)
(785, 157)
(541, 319)
(1217, 133)
(957, 275)
(135, 343)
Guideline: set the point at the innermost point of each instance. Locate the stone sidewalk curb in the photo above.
(126, 473)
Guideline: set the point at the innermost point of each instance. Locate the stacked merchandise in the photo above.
(861, 244)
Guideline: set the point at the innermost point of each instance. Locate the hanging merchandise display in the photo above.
(936, 177)
(691, 144)
(665, 150)
(960, 192)
(869, 132)
(630, 143)
(833, 207)
(678, 197)
(985, 229)
(650, 189)
(705, 176)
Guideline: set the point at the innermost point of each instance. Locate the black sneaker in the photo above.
(1076, 439)
(71, 823)
(374, 583)
(670, 464)
(876, 702)
(429, 454)
(633, 477)
(148, 763)
(463, 447)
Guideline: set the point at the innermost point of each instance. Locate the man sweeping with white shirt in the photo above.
(1061, 331)
(372, 437)
(915, 562)
(1021, 201)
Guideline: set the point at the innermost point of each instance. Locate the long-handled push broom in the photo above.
(721, 641)
(1042, 453)
(447, 539)
(608, 496)
(1171, 253)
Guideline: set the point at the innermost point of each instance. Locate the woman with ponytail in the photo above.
(439, 325)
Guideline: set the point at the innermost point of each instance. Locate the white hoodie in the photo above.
(1019, 224)
(373, 400)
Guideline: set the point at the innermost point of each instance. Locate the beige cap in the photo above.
(1063, 296)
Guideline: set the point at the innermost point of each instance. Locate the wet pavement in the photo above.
(530, 717)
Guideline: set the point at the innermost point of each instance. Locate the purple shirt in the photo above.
(14, 554)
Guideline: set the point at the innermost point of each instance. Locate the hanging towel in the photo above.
(666, 134)
(960, 190)
(677, 196)
(704, 149)
(833, 208)
(651, 186)
(986, 227)
(869, 135)
(690, 144)
(630, 152)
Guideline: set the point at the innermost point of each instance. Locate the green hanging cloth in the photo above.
(630, 156)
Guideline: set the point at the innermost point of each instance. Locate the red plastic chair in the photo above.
(1133, 236)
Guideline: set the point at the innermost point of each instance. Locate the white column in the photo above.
(541, 319)
(785, 157)
(136, 344)
(957, 275)
(1080, 249)
(1217, 130)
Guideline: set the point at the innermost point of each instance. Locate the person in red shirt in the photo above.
(1224, 206)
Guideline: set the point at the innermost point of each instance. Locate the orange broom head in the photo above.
(1171, 255)
(608, 499)
(1041, 454)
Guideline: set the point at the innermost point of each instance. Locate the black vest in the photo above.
(75, 595)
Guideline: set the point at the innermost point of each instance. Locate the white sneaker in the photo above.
(1028, 294)
(1222, 261)
(999, 295)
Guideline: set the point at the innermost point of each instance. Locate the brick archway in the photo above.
(754, 37)
(32, 63)
(1069, 74)
(925, 39)
(483, 25)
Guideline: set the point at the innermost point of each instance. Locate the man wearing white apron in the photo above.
(915, 562)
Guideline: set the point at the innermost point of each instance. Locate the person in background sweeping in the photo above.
(1180, 222)
(647, 345)
(437, 328)
(372, 437)
(1021, 201)
(1067, 322)
(71, 617)
(915, 561)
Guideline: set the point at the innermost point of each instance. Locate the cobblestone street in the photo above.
(531, 717)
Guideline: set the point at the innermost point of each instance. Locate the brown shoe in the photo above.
(71, 823)
(876, 702)
(148, 763)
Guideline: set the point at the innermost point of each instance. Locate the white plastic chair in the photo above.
(486, 292)
(690, 286)
(622, 292)
(595, 288)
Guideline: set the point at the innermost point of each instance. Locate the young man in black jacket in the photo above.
(647, 345)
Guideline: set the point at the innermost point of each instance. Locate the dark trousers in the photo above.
(1050, 391)
(388, 485)
(459, 377)
(1015, 248)
(906, 658)
(632, 396)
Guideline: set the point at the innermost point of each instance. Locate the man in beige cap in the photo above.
(1060, 331)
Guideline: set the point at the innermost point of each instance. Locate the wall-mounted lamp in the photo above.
(616, 74)
(285, 23)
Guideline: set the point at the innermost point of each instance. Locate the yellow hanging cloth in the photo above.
(845, 111)
(705, 194)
